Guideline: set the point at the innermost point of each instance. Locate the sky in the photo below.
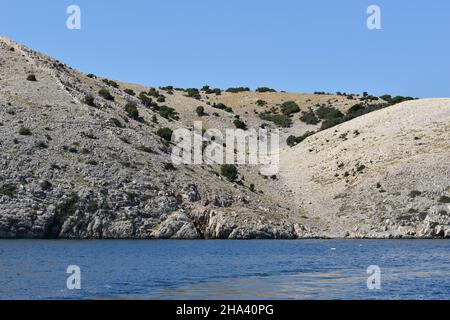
(290, 45)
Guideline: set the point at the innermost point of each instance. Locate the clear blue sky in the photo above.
(292, 45)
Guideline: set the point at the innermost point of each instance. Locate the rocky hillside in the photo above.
(88, 157)
(384, 174)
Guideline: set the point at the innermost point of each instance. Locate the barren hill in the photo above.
(89, 157)
(385, 173)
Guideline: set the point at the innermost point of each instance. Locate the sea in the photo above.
(228, 269)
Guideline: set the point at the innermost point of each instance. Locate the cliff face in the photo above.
(75, 164)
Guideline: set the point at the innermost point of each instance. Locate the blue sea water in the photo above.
(307, 269)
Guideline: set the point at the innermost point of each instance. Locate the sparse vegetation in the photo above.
(132, 111)
(261, 103)
(238, 123)
(168, 113)
(89, 100)
(23, 131)
(309, 117)
(165, 133)
(238, 89)
(8, 190)
(222, 106)
(200, 111)
(265, 89)
(229, 171)
(146, 100)
(31, 77)
(444, 199)
(280, 120)
(111, 83)
(105, 94)
(193, 93)
(289, 107)
(130, 92)
(293, 140)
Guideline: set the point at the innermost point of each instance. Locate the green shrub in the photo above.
(444, 199)
(222, 106)
(152, 92)
(289, 107)
(261, 103)
(24, 131)
(209, 90)
(89, 100)
(324, 112)
(200, 111)
(132, 111)
(329, 123)
(130, 92)
(280, 120)
(31, 77)
(91, 75)
(265, 89)
(252, 187)
(165, 133)
(309, 117)
(193, 93)
(168, 113)
(399, 99)
(105, 94)
(111, 83)
(229, 171)
(293, 140)
(8, 190)
(238, 89)
(238, 123)
(146, 100)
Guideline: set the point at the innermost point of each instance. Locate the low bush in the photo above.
(105, 94)
(329, 112)
(165, 133)
(193, 93)
(146, 100)
(8, 190)
(309, 117)
(200, 111)
(280, 120)
(238, 123)
(222, 106)
(132, 111)
(168, 112)
(31, 77)
(89, 100)
(265, 89)
(24, 131)
(329, 123)
(289, 107)
(261, 103)
(293, 140)
(130, 92)
(238, 89)
(229, 171)
(111, 83)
